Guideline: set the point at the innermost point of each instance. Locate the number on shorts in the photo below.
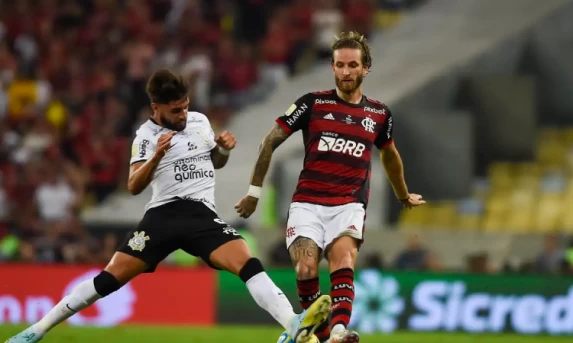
(219, 221)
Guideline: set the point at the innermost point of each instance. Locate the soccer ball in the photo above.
(285, 338)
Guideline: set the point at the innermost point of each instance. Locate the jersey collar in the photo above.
(154, 123)
(360, 104)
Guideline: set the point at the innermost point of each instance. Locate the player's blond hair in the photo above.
(353, 40)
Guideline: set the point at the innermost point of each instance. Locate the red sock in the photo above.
(308, 292)
(342, 294)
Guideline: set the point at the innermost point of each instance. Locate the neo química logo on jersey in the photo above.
(385, 303)
(186, 169)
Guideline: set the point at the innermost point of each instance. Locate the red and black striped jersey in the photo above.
(338, 138)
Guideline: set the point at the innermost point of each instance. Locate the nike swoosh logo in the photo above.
(29, 337)
(71, 309)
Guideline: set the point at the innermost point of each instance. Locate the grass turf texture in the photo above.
(247, 334)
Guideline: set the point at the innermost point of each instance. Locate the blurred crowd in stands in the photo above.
(72, 92)
(555, 258)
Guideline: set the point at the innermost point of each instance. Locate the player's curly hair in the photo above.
(353, 40)
(164, 86)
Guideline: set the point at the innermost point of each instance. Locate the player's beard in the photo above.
(348, 87)
(177, 126)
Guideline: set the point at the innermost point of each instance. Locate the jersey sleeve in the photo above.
(298, 114)
(209, 134)
(142, 149)
(385, 137)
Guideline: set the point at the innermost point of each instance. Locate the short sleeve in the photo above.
(209, 134)
(385, 137)
(298, 114)
(142, 149)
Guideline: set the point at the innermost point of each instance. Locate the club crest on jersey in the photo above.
(368, 124)
(137, 242)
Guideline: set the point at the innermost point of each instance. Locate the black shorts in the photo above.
(180, 224)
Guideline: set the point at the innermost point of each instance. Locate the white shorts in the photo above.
(323, 224)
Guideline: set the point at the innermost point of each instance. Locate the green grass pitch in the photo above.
(246, 334)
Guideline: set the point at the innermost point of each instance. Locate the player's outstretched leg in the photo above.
(342, 257)
(235, 257)
(118, 272)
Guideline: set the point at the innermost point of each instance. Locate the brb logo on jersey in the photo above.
(342, 145)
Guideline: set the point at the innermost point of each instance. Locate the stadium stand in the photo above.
(72, 91)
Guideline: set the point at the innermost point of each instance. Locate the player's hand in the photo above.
(246, 206)
(413, 200)
(226, 140)
(164, 143)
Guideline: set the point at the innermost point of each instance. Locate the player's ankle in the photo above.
(38, 330)
(337, 328)
(293, 317)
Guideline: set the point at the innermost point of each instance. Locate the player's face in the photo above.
(173, 115)
(348, 69)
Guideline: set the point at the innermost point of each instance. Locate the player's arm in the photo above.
(144, 161)
(219, 158)
(390, 157)
(220, 154)
(276, 136)
(294, 119)
(141, 174)
(248, 204)
(393, 165)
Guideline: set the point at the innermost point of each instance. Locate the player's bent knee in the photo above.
(342, 253)
(125, 267)
(105, 283)
(341, 262)
(306, 270)
(231, 256)
(250, 269)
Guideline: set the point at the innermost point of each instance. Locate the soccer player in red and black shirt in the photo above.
(339, 127)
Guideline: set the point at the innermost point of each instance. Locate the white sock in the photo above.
(269, 297)
(337, 328)
(82, 296)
